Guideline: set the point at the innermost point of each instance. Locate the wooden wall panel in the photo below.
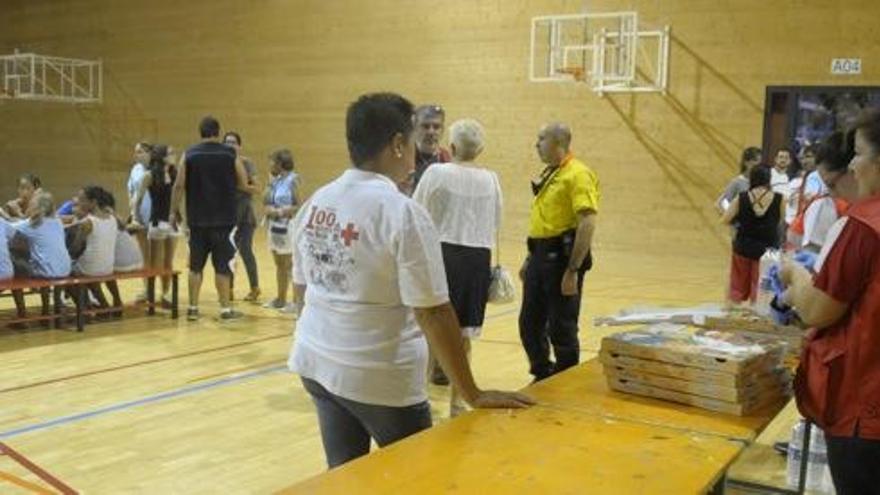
(282, 72)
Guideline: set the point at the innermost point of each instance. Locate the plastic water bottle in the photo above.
(817, 461)
(765, 288)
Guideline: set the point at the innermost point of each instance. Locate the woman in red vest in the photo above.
(838, 381)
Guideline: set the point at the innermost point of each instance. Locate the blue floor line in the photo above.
(73, 418)
(140, 402)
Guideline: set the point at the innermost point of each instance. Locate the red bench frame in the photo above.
(79, 285)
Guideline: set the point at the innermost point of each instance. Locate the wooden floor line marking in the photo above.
(264, 364)
(189, 390)
(141, 363)
(37, 470)
(172, 357)
(23, 483)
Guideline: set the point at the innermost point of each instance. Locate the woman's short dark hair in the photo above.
(759, 176)
(31, 179)
(748, 154)
(283, 157)
(209, 127)
(233, 134)
(102, 197)
(869, 123)
(372, 121)
(836, 151)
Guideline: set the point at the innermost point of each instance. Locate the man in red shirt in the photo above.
(429, 122)
(838, 380)
(428, 132)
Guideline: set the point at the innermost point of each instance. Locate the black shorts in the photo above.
(216, 241)
(468, 274)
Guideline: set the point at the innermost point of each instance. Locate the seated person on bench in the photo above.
(29, 186)
(128, 257)
(98, 225)
(65, 212)
(6, 234)
(45, 255)
(100, 228)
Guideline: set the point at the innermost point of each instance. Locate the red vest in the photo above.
(838, 381)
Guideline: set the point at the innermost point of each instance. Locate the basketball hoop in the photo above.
(576, 73)
(610, 51)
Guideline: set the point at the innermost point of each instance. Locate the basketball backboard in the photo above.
(607, 50)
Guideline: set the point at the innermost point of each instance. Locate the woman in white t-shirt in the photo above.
(367, 264)
(464, 201)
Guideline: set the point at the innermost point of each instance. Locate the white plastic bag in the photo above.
(765, 294)
(501, 288)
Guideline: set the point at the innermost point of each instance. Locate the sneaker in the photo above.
(253, 296)
(457, 409)
(438, 377)
(290, 308)
(192, 314)
(230, 315)
(274, 304)
(165, 302)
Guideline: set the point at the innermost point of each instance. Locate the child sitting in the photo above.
(6, 234)
(29, 186)
(100, 228)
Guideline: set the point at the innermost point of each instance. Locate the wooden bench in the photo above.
(78, 286)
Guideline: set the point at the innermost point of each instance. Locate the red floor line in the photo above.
(140, 363)
(37, 470)
(168, 358)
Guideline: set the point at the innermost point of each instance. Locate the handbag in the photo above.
(501, 287)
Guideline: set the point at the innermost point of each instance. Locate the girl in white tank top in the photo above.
(101, 228)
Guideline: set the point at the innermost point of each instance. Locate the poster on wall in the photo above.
(798, 116)
(821, 113)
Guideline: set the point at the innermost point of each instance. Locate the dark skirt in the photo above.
(468, 271)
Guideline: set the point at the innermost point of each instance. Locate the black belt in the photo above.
(562, 243)
(558, 248)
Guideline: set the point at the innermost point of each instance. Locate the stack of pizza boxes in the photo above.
(714, 370)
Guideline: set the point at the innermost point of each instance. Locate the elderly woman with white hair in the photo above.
(464, 200)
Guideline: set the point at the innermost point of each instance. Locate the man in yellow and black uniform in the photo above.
(561, 226)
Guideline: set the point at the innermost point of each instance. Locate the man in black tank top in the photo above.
(209, 176)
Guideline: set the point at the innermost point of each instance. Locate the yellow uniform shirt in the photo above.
(572, 189)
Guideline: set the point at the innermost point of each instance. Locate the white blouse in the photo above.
(465, 203)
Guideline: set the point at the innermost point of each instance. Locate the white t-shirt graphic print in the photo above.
(367, 255)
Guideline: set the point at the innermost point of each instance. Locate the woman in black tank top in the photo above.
(162, 236)
(161, 181)
(758, 214)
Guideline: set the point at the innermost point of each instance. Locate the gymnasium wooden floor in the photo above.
(151, 405)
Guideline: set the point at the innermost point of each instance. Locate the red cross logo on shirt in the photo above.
(349, 234)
